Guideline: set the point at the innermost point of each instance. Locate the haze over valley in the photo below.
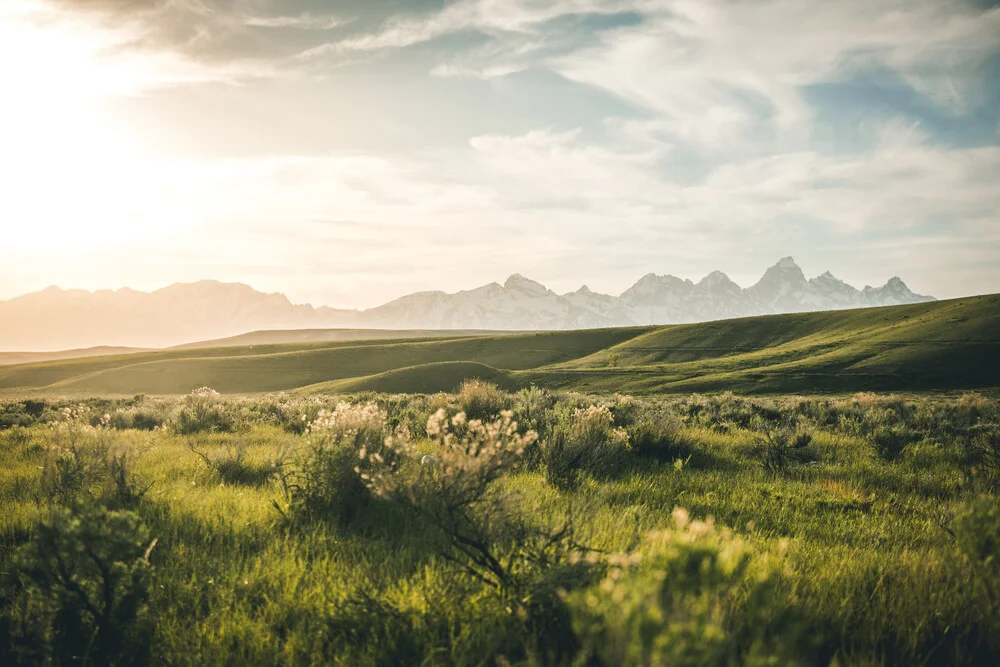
(56, 319)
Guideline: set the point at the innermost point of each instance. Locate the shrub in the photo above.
(482, 400)
(203, 410)
(140, 419)
(985, 451)
(973, 408)
(454, 494)
(776, 449)
(625, 410)
(658, 439)
(17, 436)
(532, 409)
(588, 442)
(888, 442)
(343, 445)
(233, 466)
(83, 462)
(84, 584)
(673, 602)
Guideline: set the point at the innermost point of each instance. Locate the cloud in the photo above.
(302, 21)
(712, 154)
(722, 73)
(496, 17)
(725, 73)
(903, 182)
(83, 56)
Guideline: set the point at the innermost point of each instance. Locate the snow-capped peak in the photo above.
(521, 284)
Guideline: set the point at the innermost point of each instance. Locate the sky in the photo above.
(350, 152)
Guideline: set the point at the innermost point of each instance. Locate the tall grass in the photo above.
(399, 530)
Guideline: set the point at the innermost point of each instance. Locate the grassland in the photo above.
(852, 530)
(947, 345)
(339, 504)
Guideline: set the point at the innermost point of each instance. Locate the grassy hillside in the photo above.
(283, 367)
(442, 376)
(8, 358)
(282, 336)
(942, 345)
(935, 346)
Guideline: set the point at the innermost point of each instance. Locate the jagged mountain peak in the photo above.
(786, 268)
(715, 278)
(210, 309)
(519, 283)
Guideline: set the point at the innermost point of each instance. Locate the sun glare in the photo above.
(72, 175)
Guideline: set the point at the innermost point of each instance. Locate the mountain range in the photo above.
(55, 319)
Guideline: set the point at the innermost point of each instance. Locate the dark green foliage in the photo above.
(85, 580)
(889, 441)
(660, 439)
(21, 413)
(977, 533)
(775, 450)
(625, 410)
(985, 455)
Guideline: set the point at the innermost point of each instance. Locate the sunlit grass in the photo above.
(864, 545)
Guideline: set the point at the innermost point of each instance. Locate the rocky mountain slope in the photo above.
(60, 319)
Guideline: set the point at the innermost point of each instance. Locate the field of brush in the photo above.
(527, 526)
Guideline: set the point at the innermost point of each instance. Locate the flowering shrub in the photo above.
(343, 445)
(482, 400)
(454, 489)
(589, 442)
(83, 461)
(203, 410)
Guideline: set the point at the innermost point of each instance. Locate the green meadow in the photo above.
(810, 489)
(946, 345)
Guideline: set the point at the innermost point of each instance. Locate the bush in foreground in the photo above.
(673, 601)
(84, 579)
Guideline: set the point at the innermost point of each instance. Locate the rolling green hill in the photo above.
(8, 358)
(424, 379)
(946, 345)
(941, 345)
(281, 336)
(251, 369)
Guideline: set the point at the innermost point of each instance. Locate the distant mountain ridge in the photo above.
(55, 319)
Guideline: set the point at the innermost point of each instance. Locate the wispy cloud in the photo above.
(301, 21)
